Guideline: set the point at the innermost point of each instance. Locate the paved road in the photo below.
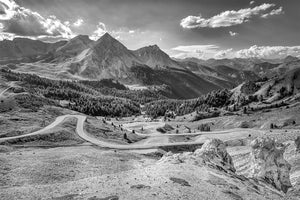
(161, 124)
(152, 141)
(4, 91)
(80, 131)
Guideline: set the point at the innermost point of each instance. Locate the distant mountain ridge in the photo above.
(83, 58)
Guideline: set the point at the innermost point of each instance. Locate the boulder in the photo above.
(213, 154)
(267, 163)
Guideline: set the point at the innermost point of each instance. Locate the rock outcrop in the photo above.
(213, 154)
(267, 163)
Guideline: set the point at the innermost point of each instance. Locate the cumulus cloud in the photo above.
(100, 30)
(227, 53)
(278, 11)
(252, 2)
(228, 18)
(214, 51)
(270, 52)
(20, 21)
(78, 22)
(233, 33)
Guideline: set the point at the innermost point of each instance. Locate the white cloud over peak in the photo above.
(19, 21)
(230, 17)
(100, 30)
(214, 51)
(78, 22)
(233, 33)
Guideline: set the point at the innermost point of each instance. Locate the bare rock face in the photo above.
(213, 154)
(297, 143)
(267, 163)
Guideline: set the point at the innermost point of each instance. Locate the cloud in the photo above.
(252, 2)
(121, 34)
(78, 22)
(198, 51)
(213, 51)
(20, 21)
(195, 48)
(227, 53)
(227, 18)
(100, 30)
(125, 33)
(270, 52)
(233, 33)
(278, 11)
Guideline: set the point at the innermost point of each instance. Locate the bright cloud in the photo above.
(78, 22)
(100, 30)
(198, 51)
(229, 18)
(214, 51)
(233, 33)
(278, 11)
(270, 52)
(252, 2)
(20, 21)
(224, 54)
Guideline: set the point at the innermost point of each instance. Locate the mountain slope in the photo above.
(75, 46)
(182, 84)
(22, 47)
(105, 58)
(155, 58)
(108, 58)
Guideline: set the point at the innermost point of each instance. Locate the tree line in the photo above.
(80, 97)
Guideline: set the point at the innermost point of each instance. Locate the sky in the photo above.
(182, 28)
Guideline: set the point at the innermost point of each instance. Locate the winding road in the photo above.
(4, 91)
(80, 131)
(144, 144)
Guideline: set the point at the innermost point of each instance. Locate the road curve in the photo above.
(127, 127)
(80, 131)
(4, 91)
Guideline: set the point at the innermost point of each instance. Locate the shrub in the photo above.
(204, 127)
(244, 124)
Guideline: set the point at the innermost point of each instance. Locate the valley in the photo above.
(83, 119)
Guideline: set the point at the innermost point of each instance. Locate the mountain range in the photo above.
(107, 58)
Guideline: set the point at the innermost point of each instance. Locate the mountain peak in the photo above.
(81, 37)
(154, 57)
(154, 47)
(108, 41)
(290, 59)
(106, 36)
(150, 49)
(75, 46)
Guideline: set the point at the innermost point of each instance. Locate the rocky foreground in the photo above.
(207, 173)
